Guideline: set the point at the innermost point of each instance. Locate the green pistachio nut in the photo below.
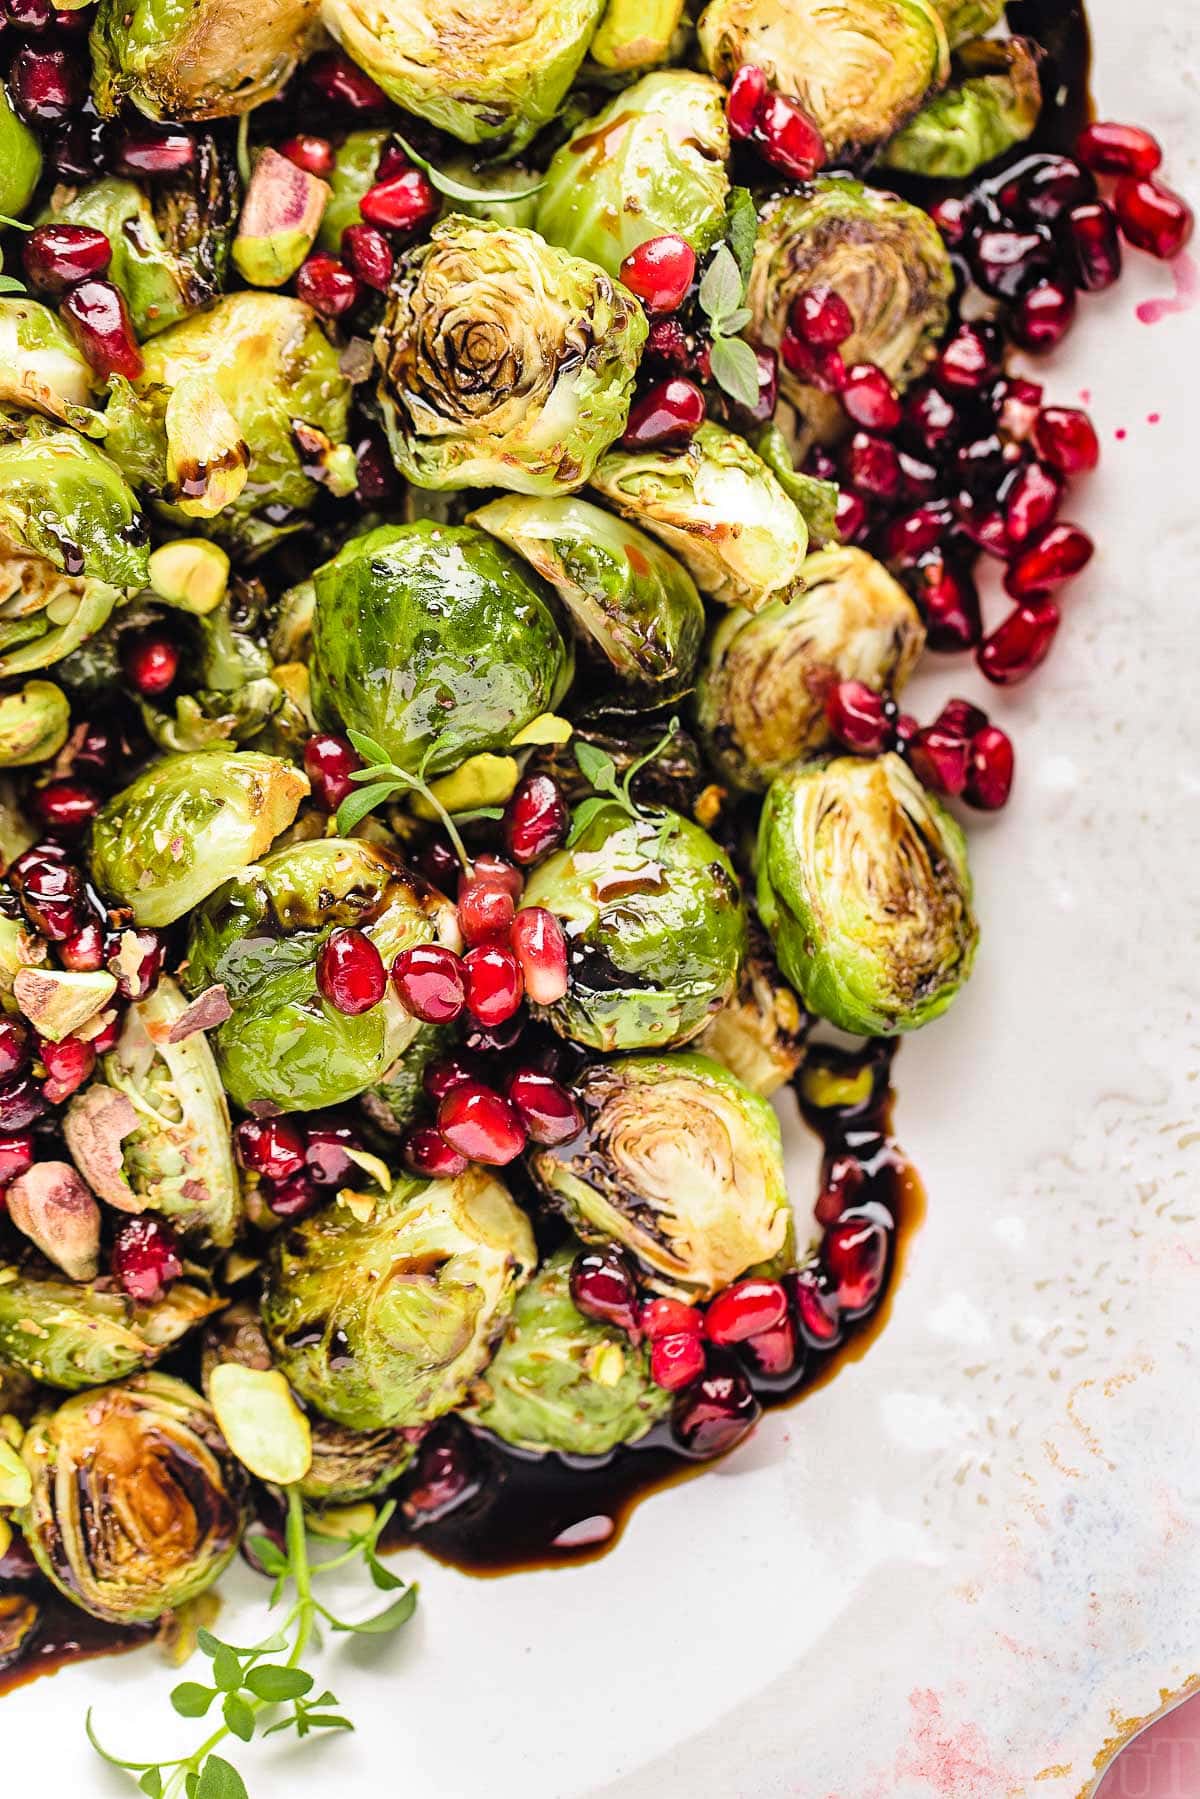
(280, 217)
(195, 59)
(20, 159)
(33, 724)
(72, 1335)
(190, 573)
(994, 107)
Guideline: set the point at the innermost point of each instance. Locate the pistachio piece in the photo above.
(57, 1003)
(50, 1205)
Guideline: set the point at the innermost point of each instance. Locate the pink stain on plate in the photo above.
(953, 1760)
(1186, 275)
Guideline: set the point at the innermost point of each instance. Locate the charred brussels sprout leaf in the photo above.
(655, 928)
(560, 1381)
(505, 361)
(62, 498)
(259, 937)
(653, 161)
(814, 499)
(40, 368)
(761, 694)
(137, 1504)
(759, 1035)
(680, 1163)
(631, 602)
(436, 641)
(386, 1322)
(195, 59)
(864, 887)
(994, 106)
(70, 1335)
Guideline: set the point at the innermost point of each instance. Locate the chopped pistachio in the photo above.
(57, 1003)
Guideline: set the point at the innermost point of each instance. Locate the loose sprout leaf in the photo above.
(389, 1619)
(461, 190)
(191, 1700)
(735, 368)
(275, 1684)
(743, 230)
(220, 1780)
(238, 1716)
(721, 286)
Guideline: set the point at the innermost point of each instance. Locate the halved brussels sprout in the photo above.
(164, 843)
(20, 159)
(655, 929)
(33, 724)
(859, 68)
(632, 602)
(965, 19)
(719, 508)
(259, 937)
(636, 34)
(45, 615)
(994, 106)
(40, 368)
(653, 161)
(137, 1503)
(195, 59)
(759, 1035)
(760, 698)
(62, 498)
(70, 1335)
(864, 887)
(681, 1164)
(386, 1322)
(560, 1381)
(487, 71)
(436, 641)
(505, 361)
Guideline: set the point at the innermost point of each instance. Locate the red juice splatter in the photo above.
(1186, 274)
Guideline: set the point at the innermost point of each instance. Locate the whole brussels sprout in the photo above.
(864, 887)
(719, 508)
(964, 19)
(70, 1334)
(995, 106)
(33, 724)
(652, 162)
(259, 937)
(195, 59)
(386, 1322)
(20, 159)
(65, 500)
(436, 641)
(487, 71)
(505, 361)
(859, 68)
(760, 698)
(679, 1163)
(560, 1381)
(137, 1503)
(40, 368)
(759, 1035)
(630, 601)
(655, 929)
(164, 843)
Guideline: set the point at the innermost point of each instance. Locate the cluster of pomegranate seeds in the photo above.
(56, 257)
(775, 125)
(145, 1257)
(295, 1158)
(961, 754)
(401, 200)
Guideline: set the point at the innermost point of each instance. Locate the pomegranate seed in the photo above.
(787, 137)
(969, 360)
(106, 1037)
(95, 751)
(29, 16)
(990, 775)
(860, 718)
(1152, 217)
(822, 369)
(272, 1147)
(442, 1479)
(1031, 500)
(963, 716)
(68, 1065)
(855, 1256)
(137, 983)
(341, 82)
(949, 601)
(717, 1411)
(145, 1258)
(667, 340)
(367, 252)
(670, 1317)
(485, 910)
(1095, 246)
(540, 947)
(426, 1152)
(16, 1156)
(329, 762)
(931, 418)
(603, 1287)
(906, 729)
(293, 1198)
(98, 319)
(309, 152)
(982, 463)
(441, 1077)
(437, 863)
(910, 534)
(870, 399)
(150, 660)
(1008, 261)
(1015, 403)
(850, 516)
(952, 216)
(480, 1124)
(843, 1180)
(156, 150)
(1043, 316)
(430, 981)
(1056, 556)
(498, 1039)
(1112, 149)
(660, 272)
(535, 819)
(773, 1354)
(675, 1362)
(821, 317)
(1019, 644)
(350, 972)
(872, 466)
(326, 1156)
(816, 1308)
(401, 203)
(21, 1102)
(57, 256)
(378, 482)
(65, 805)
(487, 866)
(44, 85)
(1044, 187)
(745, 1309)
(745, 100)
(982, 520)
(14, 1048)
(52, 895)
(1066, 439)
(919, 480)
(493, 982)
(84, 952)
(768, 390)
(328, 286)
(670, 412)
(548, 1111)
(938, 758)
(79, 150)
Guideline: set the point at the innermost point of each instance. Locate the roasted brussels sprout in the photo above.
(20, 159)
(436, 641)
(859, 68)
(655, 928)
(137, 1503)
(665, 767)
(965, 19)
(399, 1095)
(631, 602)
(636, 34)
(864, 887)
(385, 1322)
(190, 822)
(653, 161)
(195, 59)
(259, 937)
(231, 691)
(994, 106)
(40, 368)
(759, 1035)
(34, 595)
(63, 499)
(560, 1381)
(33, 724)
(760, 698)
(488, 71)
(505, 361)
(70, 1335)
(681, 1164)
(719, 508)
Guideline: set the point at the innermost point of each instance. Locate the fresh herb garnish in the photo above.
(461, 190)
(733, 362)
(381, 781)
(600, 772)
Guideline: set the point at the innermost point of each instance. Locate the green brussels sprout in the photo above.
(195, 59)
(70, 1334)
(487, 71)
(397, 1098)
(20, 159)
(355, 161)
(63, 499)
(230, 693)
(636, 34)
(505, 361)
(235, 408)
(436, 641)
(560, 1381)
(964, 19)
(259, 937)
(995, 106)
(864, 887)
(680, 1163)
(653, 161)
(815, 500)
(760, 697)
(34, 596)
(719, 508)
(33, 724)
(884, 257)
(759, 1035)
(40, 368)
(630, 601)
(655, 926)
(859, 68)
(385, 1323)
(137, 1503)
(504, 192)
(188, 823)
